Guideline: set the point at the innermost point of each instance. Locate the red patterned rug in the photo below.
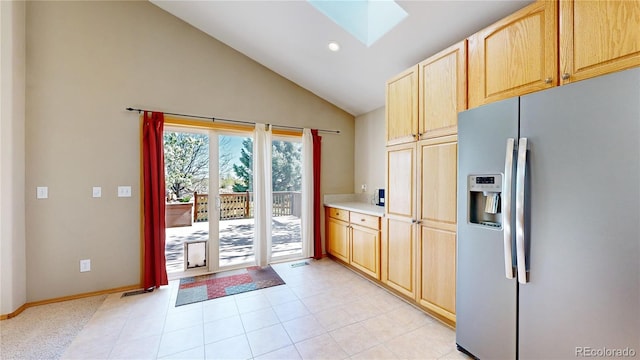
(205, 287)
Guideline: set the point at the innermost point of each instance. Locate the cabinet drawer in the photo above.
(365, 220)
(339, 214)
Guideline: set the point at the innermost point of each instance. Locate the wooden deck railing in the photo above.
(240, 205)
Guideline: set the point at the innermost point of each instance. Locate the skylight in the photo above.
(366, 20)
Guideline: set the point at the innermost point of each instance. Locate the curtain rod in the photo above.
(229, 120)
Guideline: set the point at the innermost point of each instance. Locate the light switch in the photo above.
(85, 265)
(42, 192)
(124, 191)
(97, 191)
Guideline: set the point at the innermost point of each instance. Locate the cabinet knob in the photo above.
(548, 80)
(566, 76)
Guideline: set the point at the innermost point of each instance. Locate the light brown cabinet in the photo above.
(424, 100)
(399, 245)
(438, 272)
(521, 53)
(437, 216)
(515, 56)
(337, 235)
(400, 180)
(598, 37)
(399, 255)
(438, 181)
(354, 238)
(402, 107)
(365, 244)
(443, 91)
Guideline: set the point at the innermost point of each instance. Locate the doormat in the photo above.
(206, 287)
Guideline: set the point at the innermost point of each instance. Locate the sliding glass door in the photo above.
(210, 200)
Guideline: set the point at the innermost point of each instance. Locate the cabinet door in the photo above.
(514, 56)
(437, 243)
(365, 250)
(402, 107)
(338, 239)
(398, 256)
(401, 189)
(438, 181)
(438, 272)
(443, 85)
(598, 37)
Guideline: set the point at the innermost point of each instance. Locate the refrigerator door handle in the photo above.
(520, 177)
(506, 208)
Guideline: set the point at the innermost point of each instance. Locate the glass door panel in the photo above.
(186, 158)
(235, 200)
(286, 179)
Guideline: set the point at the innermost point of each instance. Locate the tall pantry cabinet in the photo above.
(419, 246)
(398, 248)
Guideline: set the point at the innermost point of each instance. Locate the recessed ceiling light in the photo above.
(334, 46)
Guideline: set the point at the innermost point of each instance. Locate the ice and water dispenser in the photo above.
(485, 193)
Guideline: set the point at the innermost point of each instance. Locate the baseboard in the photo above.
(67, 298)
(15, 313)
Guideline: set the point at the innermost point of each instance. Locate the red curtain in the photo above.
(317, 204)
(154, 267)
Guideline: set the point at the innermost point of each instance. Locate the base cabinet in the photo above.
(438, 271)
(354, 238)
(338, 239)
(365, 250)
(398, 256)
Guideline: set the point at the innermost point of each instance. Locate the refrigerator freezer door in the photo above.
(485, 298)
(583, 219)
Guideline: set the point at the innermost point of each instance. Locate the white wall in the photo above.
(370, 151)
(12, 156)
(86, 62)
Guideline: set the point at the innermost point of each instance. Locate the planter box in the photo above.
(178, 214)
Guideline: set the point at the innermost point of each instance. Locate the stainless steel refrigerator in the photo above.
(548, 257)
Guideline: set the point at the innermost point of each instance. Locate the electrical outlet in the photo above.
(124, 191)
(85, 265)
(97, 192)
(364, 188)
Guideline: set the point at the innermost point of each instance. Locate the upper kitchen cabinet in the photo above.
(598, 37)
(402, 107)
(514, 56)
(443, 85)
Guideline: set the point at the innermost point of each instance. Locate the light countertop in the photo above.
(353, 203)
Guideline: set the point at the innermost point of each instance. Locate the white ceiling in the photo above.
(291, 37)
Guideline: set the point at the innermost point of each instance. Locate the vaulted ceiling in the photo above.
(291, 38)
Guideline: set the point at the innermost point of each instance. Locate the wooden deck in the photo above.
(236, 240)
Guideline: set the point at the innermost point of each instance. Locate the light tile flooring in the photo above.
(324, 311)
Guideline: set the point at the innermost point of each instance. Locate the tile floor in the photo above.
(324, 311)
